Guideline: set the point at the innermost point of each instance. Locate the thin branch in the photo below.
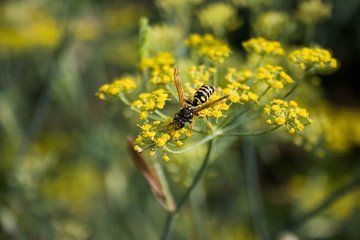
(248, 134)
(204, 140)
(253, 186)
(198, 176)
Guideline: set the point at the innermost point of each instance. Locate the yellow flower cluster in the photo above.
(314, 11)
(114, 88)
(238, 76)
(263, 47)
(154, 136)
(342, 128)
(225, 15)
(313, 58)
(149, 102)
(216, 109)
(26, 24)
(208, 46)
(273, 24)
(161, 67)
(239, 93)
(288, 114)
(200, 75)
(274, 76)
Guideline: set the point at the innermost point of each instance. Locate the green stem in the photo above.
(248, 134)
(235, 117)
(204, 140)
(198, 176)
(162, 115)
(151, 116)
(256, 204)
(296, 85)
(170, 203)
(216, 75)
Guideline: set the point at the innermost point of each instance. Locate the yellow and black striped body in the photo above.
(202, 94)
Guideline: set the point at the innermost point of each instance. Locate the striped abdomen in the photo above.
(203, 94)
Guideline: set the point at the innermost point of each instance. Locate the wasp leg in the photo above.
(167, 128)
(173, 136)
(191, 127)
(207, 122)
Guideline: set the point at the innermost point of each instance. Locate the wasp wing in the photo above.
(209, 104)
(178, 87)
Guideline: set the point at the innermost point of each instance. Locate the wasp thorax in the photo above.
(186, 112)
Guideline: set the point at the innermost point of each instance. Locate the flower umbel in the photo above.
(274, 76)
(149, 102)
(263, 47)
(288, 114)
(114, 88)
(161, 67)
(313, 58)
(239, 93)
(155, 136)
(238, 76)
(209, 47)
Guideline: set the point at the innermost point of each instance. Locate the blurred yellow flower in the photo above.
(314, 11)
(208, 46)
(27, 25)
(273, 25)
(313, 58)
(225, 16)
(263, 47)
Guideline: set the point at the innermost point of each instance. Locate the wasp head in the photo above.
(179, 123)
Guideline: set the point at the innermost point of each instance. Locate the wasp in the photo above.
(190, 108)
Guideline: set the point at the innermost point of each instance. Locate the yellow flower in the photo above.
(225, 16)
(314, 11)
(199, 75)
(114, 88)
(274, 76)
(149, 102)
(209, 47)
(263, 47)
(239, 93)
(313, 58)
(292, 130)
(161, 141)
(290, 115)
(165, 158)
(161, 67)
(273, 24)
(238, 76)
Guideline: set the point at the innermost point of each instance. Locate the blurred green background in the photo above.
(64, 169)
